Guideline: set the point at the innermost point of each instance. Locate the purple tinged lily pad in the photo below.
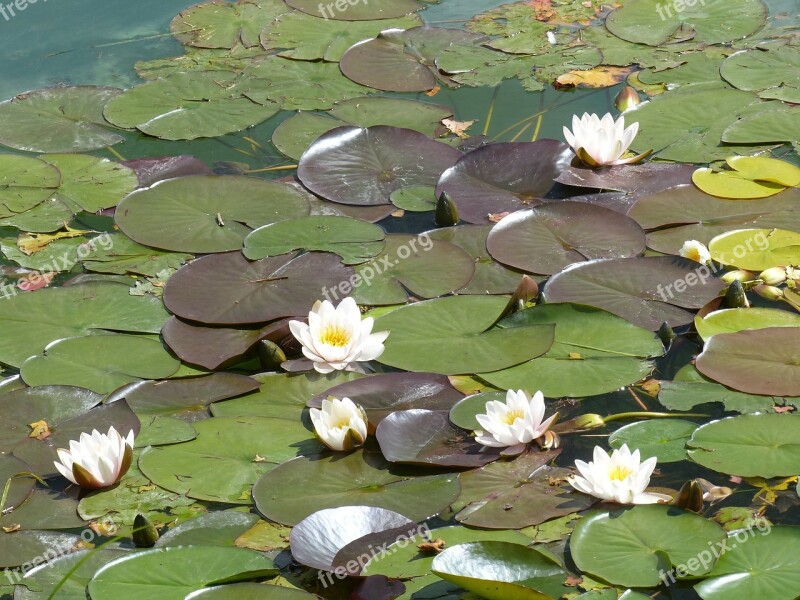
(400, 60)
(359, 166)
(647, 291)
(552, 236)
(152, 170)
(504, 177)
(227, 289)
(216, 347)
(641, 179)
(426, 437)
(318, 539)
(757, 361)
(381, 395)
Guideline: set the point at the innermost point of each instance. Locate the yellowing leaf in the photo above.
(599, 77)
(733, 185)
(30, 243)
(458, 127)
(39, 430)
(762, 168)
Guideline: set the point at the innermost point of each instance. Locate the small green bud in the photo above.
(770, 292)
(773, 276)
(446, 211)
(145, 534)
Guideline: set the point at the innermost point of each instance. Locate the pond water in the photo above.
(226, 461)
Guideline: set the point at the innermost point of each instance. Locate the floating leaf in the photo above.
(187, 106)
(710, 21)
(647, 541)
(70, 574)
(227, 289)
(503, 177)
(594, 352)
(354, 240)
(358, 10)
(364, 166)
(220, 24)
(356, 479)
(92, 183)
(737, 319)
(21, 547)
(763, 445)
(172, 573)
(59, 119)
(732, 184)
(227, 457)
(221, 528)
(454, 332)
(779, 124)
(206, 213)
(101, 363)
(758, 361)
(772, 72)
(663, 438)
(761, 168)
(411, 265)
(25, 182)
(756, 249)
(552, 236)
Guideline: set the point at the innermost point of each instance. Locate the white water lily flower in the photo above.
(619, 478)
(341, 424)
(98, 460)
(599, 142)
(335, 338)
(513, 423)
(696, 251)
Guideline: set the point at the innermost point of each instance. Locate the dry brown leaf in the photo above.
(458, 127)
(599, 77)
(29, 243)
(39, 430)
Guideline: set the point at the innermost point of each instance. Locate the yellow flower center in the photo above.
(343, 423)
(693, 254)
(513, 415)
(619, 473)
(335, 336)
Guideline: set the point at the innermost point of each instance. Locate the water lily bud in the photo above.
(690, 496)
(770, 292)
(773, 276)
(666, 333)
(341, 424)
(735, 297)
(270, 355)
(627, 99)
(582, 423)
(549, 441)
(96, 461)
(738, 275)
(145, 534)
(446, 211)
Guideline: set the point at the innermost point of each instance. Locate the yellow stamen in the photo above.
(335, 336)
(619, 473)
(513, 415)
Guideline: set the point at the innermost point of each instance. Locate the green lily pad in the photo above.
(70, 574)
(101, 363)
(21, 547)
(45, 217)
(274, 80)
(59, 119)
(772, 73)
(33, 320)
(206, 213)
(733, 185)
(501, 571)
(355, 479)
(756, 249)
(92, 183)
(763, 445)
(303, 37)
(228, 456)
(47, 509)
(594, 352)
(187, 106)
(357, 10)
(354, 240)
(250, 591)
(463, 412)
(737, 319)
(516, 26)
(663, 438)
(710, 21)
(25, 182)
(756, 565)
(220, 24)
(454, 332)
(635, 546)
(219, 528)
(411, 265)
(685, 395)
(778, 124)
(294, 135)
(20, 486)
(761, 168)
(117, 253)
(159, 431)
(172, 573)
(517, 494)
